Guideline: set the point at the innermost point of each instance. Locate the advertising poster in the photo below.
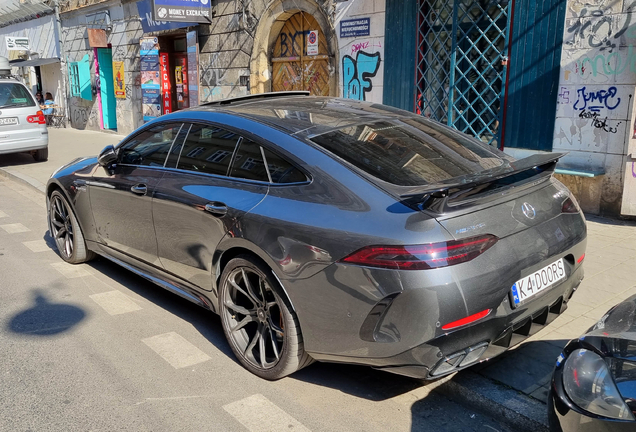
(182, 10)
(150, 78)
(118, 76)
(193, 68)
(166, 85)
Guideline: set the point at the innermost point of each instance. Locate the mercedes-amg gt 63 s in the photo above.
(329, 229)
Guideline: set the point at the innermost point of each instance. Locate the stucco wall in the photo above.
(596, 97)
(361, 58)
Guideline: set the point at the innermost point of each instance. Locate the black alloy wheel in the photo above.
(66, 231)
(263, 332)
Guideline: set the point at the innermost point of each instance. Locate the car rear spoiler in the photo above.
(487, 181)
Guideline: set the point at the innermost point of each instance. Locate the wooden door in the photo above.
(293, 69)
(107, 87)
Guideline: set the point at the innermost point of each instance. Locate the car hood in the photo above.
(77, 166)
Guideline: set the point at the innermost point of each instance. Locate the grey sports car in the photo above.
(329, 229)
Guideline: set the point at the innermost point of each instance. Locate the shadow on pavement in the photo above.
(45, 318)
(15, 159)
(205, 321)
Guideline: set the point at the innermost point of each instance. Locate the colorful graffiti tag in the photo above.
(357, 74)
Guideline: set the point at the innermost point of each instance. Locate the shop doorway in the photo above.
(297, 63)
(107, 88)
(173, 58)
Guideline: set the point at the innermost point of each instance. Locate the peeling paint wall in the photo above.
(361, 58)
(596, 98)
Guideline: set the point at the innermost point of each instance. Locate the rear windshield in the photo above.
(14, 95)
(411, 151)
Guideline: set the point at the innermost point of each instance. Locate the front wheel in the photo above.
(66, 231)
(261, 328)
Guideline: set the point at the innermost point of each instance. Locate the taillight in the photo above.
(422, 257)
(38, 118)
(569, 206)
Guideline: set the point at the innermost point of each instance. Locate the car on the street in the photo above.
(22, 122)
(330, 229)
(594, 382)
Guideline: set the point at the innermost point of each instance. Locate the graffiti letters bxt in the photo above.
(356, 74)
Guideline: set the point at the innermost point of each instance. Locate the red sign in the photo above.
(166, 86)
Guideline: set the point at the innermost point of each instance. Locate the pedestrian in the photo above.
(39, 98)
(48, 112)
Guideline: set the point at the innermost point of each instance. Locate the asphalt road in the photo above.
(94, 347)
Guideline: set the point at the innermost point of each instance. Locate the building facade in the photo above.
(526, 76)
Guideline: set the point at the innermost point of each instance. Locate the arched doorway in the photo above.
(293, 66)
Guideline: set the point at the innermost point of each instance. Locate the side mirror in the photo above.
(107, 157)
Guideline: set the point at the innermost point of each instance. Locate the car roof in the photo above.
(307, 116)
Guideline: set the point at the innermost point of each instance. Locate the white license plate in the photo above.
(8, 121)
(538, 281)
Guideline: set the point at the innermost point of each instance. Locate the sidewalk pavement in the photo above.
(513, 386)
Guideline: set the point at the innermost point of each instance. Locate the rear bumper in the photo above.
(392, 319)
(25, 144)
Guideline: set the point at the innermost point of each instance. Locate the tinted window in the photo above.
(409, 153)
(207, 149)
(14, 95)
(282, 171)
(248, 163)
(150, 147)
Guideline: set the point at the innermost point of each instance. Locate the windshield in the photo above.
(410, 151)
(15, 95)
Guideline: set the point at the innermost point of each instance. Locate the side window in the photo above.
(248, 163)
(150, 147)
(282, 171)
(207, 149)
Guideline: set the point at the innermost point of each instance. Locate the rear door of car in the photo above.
(121, 199)
(16, 105)
(196, 203)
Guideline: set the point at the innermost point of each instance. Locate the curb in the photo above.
(24, 179)
(512, 407)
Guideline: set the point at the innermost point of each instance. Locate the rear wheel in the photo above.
(41, 155)
(261, 328)
(66, 231)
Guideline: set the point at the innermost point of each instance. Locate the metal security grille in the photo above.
(460, 71)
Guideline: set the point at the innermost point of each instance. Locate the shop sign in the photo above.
(148, 23)
(312, 42)
(355, 27)
(150, 77)
(166, 86)
(17, 43)
(118, 76)
(182, 10)
(193, 68)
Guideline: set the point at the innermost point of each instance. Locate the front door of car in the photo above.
(121, 199)
(197, 203)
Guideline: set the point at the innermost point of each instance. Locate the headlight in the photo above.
(589, 384)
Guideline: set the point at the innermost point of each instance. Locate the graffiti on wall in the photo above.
(357, 74)
(595, 27)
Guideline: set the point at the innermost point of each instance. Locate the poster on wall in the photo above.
(166, 85)
(118, 76)
(312, 42)
(193, 68)
(198, 11)
(150, 78)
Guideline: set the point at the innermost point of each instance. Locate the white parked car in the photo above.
(22, 122)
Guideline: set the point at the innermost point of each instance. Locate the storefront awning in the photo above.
(36, 62)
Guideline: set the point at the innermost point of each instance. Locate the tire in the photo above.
(41, 155)
(255, 311)
(66, 232)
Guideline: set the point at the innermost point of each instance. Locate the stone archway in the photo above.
(267, 32)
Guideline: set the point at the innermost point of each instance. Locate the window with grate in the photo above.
(460, 72)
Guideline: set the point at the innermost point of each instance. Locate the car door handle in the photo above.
(216, 208)
(139, 189)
